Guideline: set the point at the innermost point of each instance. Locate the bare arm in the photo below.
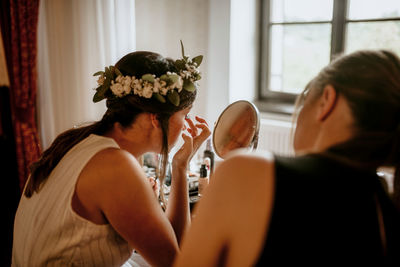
(113, 188)
(115, 185)
(231, 219)
(178, 211)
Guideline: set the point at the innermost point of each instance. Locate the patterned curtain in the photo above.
(19, 21)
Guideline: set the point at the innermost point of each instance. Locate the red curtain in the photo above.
(19, 21)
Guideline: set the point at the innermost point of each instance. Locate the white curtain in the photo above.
(76, 39)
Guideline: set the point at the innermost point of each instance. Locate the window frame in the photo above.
(280, 102)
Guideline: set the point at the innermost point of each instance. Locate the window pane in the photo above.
(373, 35)
(305, 10)
(373, 9)
(298, 52)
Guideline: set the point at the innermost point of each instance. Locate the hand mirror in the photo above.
(237, 127)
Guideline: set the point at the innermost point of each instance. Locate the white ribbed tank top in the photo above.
(48, 232)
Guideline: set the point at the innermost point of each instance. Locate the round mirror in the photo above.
(237, 127)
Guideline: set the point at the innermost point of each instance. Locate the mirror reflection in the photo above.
(237, 127)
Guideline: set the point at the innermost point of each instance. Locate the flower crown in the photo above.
(167, 86)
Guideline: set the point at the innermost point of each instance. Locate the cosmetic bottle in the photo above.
(203, 179)
(208, 153)
(207, 161)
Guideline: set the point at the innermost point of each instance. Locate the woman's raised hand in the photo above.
(198, 133)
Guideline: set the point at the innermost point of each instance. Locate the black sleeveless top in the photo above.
(325, 214)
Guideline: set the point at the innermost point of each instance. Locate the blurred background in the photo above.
(264, 51)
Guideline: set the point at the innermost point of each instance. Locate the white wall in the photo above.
(232, 54)
(243, 50)
(224, 31)
(218, 58)
(161, 24)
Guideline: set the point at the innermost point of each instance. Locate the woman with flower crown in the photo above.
(326, 206)
(87, 201)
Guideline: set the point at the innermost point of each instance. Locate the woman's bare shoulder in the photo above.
(234, 211)
(112, 161)
(109, 168)
(257, 165)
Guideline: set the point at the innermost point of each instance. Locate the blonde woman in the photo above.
(326, 206)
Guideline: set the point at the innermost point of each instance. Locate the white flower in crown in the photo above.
(127, 89)
(147, 90)
(177, 84)
(101, 79)
(164, 90)
(136, 84)
(117, 89)
(158, 84)
(126, 80)
(166, 87)
(119, 79)
(185, 74)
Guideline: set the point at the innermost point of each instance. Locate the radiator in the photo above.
(275, 136)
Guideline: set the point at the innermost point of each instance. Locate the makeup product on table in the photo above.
(203, 179)
(208, 153)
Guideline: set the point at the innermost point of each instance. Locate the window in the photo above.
(299, 37)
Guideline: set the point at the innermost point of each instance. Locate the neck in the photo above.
(335, 129)
(329, 137)
(138, 139)
(134, 147)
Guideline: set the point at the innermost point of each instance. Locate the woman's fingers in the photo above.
(199, 139)
(192, 128)
(187, 139)
(196, 138)
(185, 152)
(199, 119)
(187, 143)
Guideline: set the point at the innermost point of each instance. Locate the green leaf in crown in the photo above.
(183, 49)
(189, 86)
(108, 74)
(169, 78)
(198, 60)
(180, 64)
(117, 72)
(148, 77)
(98, 96)
(173, 77)
(101, 91)
(99, 73)
(173, 97)
(159, 97)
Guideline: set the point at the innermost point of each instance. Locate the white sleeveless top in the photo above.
(48, 232)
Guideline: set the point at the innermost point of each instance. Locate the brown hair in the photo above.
(370, 82)
(122, 110)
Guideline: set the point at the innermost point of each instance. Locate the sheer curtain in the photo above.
(76, 39)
